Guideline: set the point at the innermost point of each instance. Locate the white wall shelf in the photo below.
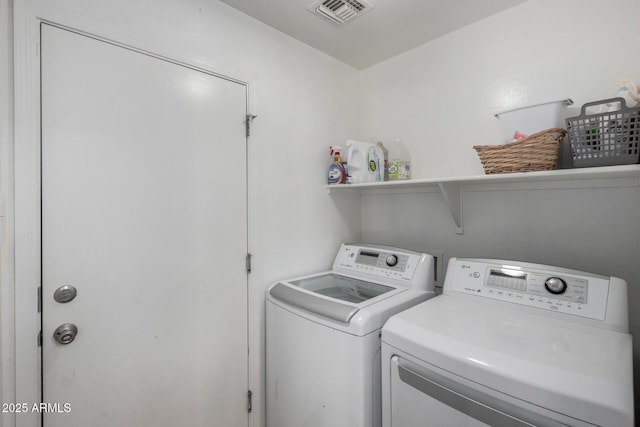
(452, 188)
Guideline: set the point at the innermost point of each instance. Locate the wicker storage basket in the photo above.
(538, 152)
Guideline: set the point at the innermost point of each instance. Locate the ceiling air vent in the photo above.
(340, 12)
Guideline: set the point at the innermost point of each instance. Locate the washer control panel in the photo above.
(534, 285)
(385, 262)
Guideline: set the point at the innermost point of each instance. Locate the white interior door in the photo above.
(144, 213)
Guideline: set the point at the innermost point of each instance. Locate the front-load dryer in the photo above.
(511, 344)
(323, 335)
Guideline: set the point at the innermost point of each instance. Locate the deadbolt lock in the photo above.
(65, 294)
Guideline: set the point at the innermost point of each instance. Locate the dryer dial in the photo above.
(555, 285)
(392, 260)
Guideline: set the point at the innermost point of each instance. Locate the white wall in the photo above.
(6, 259)
(440, 99)
(304, 100)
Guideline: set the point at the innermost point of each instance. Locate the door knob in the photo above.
(65, 333)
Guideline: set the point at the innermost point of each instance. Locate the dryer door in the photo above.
(421, 393)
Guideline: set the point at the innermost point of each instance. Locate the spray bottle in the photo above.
(338, 169)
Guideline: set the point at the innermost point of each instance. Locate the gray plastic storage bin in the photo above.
(607, 138)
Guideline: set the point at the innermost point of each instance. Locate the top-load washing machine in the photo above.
(511, 344)
(323, 335)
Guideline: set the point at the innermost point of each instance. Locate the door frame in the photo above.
(20, 197)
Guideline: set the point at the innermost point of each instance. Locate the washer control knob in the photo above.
(555, 285)
(392, 260)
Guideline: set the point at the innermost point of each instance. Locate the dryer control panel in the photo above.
(534, 285)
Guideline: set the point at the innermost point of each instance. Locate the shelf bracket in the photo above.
(453, 197)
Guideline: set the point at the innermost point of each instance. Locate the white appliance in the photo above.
(511, 344)
(323, 335)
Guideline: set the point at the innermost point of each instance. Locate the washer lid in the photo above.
(342, 288)
(573, 369)
(318, 301)
(329, 295)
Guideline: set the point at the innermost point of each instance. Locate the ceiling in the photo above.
(391, 27)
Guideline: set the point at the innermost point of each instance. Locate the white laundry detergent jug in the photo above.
(365, 162)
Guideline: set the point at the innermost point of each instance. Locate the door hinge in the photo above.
(247, 123)
(39, 299)
(248, 263)
(40, 339)
(249, 401)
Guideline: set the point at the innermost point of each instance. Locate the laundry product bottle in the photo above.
(365, 162)
(333, 151)
(385, 154)
(375, 167)
(338, 169)
(399, 161)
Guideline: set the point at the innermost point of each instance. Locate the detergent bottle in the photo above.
(365, 162)
(385, 156)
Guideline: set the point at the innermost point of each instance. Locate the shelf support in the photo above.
(453, 197)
